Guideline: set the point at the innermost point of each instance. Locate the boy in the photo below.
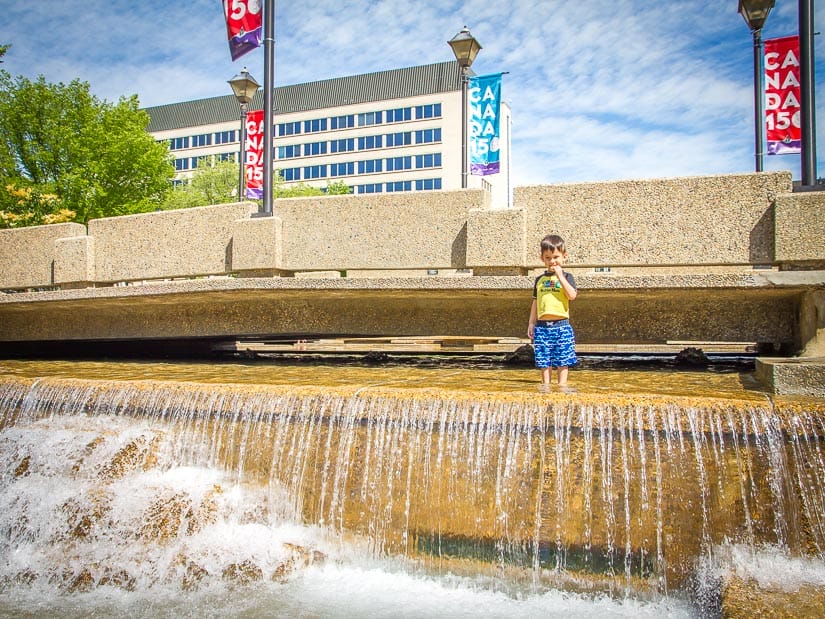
(549, 328)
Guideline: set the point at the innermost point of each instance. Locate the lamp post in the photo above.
(244, 86)
(466, 48)
(806, 70)
(755, 13)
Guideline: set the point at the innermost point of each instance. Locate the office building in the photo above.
(383, 132)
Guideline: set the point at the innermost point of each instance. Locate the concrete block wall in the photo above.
(726, 221)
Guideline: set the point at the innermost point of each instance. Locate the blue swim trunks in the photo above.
(554, 344)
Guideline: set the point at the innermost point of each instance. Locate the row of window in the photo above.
(203, 139)
(191, 163)
(423, 184)
(346, 168)
(348, 121)
(366, 166)
(367, 142)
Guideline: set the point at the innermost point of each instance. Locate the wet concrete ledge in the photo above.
(763, 307)
(793, 376)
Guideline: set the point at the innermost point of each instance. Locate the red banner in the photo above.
(782, 96)
(254, 155)
(243, 25)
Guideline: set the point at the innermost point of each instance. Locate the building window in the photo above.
(399, 186)
(428, 111)
(427, 136)
(427, 184)
(315, 171)
(368, 166)
(289, 128)
(370, 118)
(204, 139)
(182, 164)
(178, 143)
(227, 156)
(428, 161)
(291, 174)
(399, 139)
(315, 125)
(399, 115)
(369, 142)
(342, 122)
(370, 188)
(342, 169)
(399, 163)
(225, 137)
(289, 152)
(342, 146)
(315, 148)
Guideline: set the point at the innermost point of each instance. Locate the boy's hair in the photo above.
(553, 242)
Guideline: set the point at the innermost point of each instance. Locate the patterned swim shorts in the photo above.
(554, 344)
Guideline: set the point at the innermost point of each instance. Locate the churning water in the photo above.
(204, 491)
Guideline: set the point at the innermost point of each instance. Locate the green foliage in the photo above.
(94, 158)
(218, 184)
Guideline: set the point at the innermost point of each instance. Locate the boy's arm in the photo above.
(531, 325)
(571, 292)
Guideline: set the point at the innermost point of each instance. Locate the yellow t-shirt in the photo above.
(549, 295)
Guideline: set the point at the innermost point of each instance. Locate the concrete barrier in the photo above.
(166, 244)
(27, 255)
(718, 220)
(800, 229)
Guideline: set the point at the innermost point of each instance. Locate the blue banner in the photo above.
(484, 96)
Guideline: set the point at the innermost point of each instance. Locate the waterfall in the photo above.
(115, 482)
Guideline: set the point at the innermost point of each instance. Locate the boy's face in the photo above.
(551, 258)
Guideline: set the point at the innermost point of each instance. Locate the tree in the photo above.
(90, 157)
(218, 184)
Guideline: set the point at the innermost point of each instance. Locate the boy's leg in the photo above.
(546, 375)
(563, 371)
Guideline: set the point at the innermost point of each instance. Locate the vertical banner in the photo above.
(243, 25)
(485, 108)
(782, 96)
(254, 155)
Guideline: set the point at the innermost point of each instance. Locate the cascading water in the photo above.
(170, 497)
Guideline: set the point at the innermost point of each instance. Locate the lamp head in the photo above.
(244, 87)
(465, 47)
(755, 12)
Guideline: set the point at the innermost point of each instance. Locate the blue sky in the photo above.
(599, 90)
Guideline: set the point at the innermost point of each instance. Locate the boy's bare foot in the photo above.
(567, 388)
(544, 388)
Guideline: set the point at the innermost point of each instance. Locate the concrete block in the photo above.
(800, 228)
(724, 219)
(257, 244)
(74, 260)
(416, 230)
(27, 254)
(166, 244)
(793, 376)
(496, 238)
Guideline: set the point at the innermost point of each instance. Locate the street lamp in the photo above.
(755, 13)
(466, 48)
(244, 86)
